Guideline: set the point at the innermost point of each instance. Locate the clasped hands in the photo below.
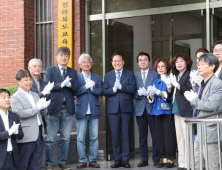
(150, 90)
(117, 86)
(89, 84)
(42, 103)
(190, 95)
(66, 82)
(47, 89)
(169, 80)
(195, 77)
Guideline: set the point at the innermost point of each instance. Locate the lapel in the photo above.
(24, 97)
(124, 73)
(41, 83)
(10, 119)
(149, 77)
(81, 79)
(34, 85)
(220, 74)
(184, 75)
(58, 73)
(112, 77)
(2, 124)
(93, 77)
(140, 80)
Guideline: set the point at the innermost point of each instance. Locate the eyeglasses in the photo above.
(117, 61)
(217, 50)
(161, 67)
(145, 60)
(201, 64)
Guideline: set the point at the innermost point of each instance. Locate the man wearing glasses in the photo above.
(217, 51)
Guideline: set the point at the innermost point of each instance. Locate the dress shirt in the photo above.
(37, 84)
(217, 72)
(87, 79)
(146, 73)
(61, 71)
(6, 124)
(29, 96)
(120, 72)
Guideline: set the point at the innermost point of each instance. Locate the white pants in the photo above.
(180, 126)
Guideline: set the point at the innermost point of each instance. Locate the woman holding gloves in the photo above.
(160, 96)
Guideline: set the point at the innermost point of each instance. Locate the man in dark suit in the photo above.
(10, 130)
(217, 51)
(145, 78)
(39, 86)
(119, 87)
(61, 108)
(87, 109)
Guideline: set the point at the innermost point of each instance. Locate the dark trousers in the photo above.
(165, 136)
(117, 121)
(9, 163)
(143, 122)
(31, 154)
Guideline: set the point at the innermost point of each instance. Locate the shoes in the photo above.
(94, 164)
(169, 165)
(117, 164)
(156, 163)
(126, 164)
(81, 165)
(64, 167)
(181, 168)
(49, 167)
(160, 165)
(142, 164)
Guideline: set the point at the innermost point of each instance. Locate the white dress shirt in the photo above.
(146, 73)
(29, 96)
(6, 124)
(217, 72)
(87, 79)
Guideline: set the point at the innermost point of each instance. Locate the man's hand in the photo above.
(40, 103)
(89, 84)
(13, 129)
(173, 80)
(66, 82)
(153, 90)
(118, 85)
(190, 95)
(46, 104)
(140, 92)
(47, 89)
(166, 80)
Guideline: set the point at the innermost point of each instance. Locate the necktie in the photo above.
(118, 75)
(144, 77)
(64, 73)
(38, 85)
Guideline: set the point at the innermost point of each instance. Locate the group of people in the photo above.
(163, 100)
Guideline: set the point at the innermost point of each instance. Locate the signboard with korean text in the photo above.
(65, 26)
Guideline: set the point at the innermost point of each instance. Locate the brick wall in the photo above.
(13, 42)
(78, 30)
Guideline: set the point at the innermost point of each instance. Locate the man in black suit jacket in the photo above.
(217, 51)
(39, 86)
(10, 130)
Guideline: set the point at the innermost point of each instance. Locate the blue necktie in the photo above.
(118, 75)
(63, 73)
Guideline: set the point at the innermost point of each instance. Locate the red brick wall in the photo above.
(12, 41)
(78, 30)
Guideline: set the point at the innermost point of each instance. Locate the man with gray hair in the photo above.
(206, 102)
(87, 109)
(39, 86)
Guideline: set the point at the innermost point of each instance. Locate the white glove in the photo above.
(48, 88)
(13, 129)
(91, 88)
(118, 85)
(40, 103)
(66, 82)
(46, 104)
(140, 93)
(166, 80)
(89, 84)
(190, 95)
(173, 80)
(114, 88)
(153, 90)
(192, 82)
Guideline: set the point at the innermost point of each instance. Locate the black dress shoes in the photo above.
(160, 165)
(169, 165)
(156, 163)
(126, 164)
(142, 164)
(117, 164)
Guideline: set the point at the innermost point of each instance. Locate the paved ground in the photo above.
(105, 165)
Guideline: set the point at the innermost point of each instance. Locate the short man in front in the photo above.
(208, 100)
(39, 86)
(87, 109)
(10, 130)
(61, 109)
(120, 86)
(30, 109)
(145, 78)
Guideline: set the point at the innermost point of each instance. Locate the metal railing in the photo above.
(201, 123)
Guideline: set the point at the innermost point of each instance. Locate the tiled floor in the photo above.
(105, 165)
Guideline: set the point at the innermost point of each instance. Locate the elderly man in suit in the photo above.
(61, 108)
(120, 86)
(30, 109)
(39, 86)
(145, 78)
(208, 100)
(10, 130)
(87, 109)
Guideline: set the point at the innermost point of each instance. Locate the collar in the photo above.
(119, 71)
(60, 68)
(25, 91)
(205, 83)
(3, 113)
(145, 71)
(84, 74)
